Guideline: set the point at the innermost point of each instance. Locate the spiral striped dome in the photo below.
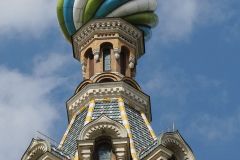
(72, 14)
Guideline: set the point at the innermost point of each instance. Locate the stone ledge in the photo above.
(111, 90)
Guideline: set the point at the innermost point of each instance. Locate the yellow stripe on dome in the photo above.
(149, 126)
(70, 125)
(127, 126)
(76, 156)
(90, 112)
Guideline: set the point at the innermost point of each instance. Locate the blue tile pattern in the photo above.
(58, 153)
(69, 146)
(141, 135)
(110, 109)
(148, 149)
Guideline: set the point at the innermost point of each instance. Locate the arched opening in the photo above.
(177, 150)
(132, 83)
(124, 60)
(106, 60)
(82, 85)
(90, 61)
(106, 49)
(106, 80)
(111, 77)
(103, 149)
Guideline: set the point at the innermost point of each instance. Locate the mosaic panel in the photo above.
(140, 132)
(70, 144)
(110, 109)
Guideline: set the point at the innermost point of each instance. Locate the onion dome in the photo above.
(72, 14)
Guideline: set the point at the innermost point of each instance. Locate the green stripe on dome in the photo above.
(145, 18)
(90, 9)
(61, 19)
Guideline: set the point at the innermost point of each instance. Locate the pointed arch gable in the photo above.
(103, 126)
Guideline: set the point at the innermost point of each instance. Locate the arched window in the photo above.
(124, 59)
(106, 59)
(104, 80)
(90, 62)
(106, 49)
(104, 151)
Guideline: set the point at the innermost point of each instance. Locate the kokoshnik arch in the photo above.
(109, 115)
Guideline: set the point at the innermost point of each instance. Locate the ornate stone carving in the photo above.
(131, 62)
(117, 52)
(83, 63)
(96, 53)
(103, 126)
(36, 149)
(85, 148)
(132, 96)
(175, 142)
(159, 153)
(110, 29)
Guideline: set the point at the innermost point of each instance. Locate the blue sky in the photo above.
(190, 70)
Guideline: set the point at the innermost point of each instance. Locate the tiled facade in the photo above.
(69, 146)
(110, 109)
(140, 132)
(116, 111)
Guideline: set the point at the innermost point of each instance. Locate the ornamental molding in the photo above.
(109, 28)
(111, 90)
(50, 156)
(103, 126)
(174, 142)
(36, 149)
(159, 153)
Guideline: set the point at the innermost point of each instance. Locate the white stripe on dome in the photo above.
(78, 8)
(135, 6)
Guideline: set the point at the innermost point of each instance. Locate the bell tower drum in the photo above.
(109, 115)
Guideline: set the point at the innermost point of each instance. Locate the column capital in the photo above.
(96, 53)
(117, 52)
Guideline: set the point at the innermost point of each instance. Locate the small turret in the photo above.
(110, 46)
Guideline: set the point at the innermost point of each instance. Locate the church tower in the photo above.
(109, 115)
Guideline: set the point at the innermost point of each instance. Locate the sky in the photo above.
(190, 70)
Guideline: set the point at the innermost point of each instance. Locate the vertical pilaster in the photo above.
(85, 149)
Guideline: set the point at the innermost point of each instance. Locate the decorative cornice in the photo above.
(175, 139)
(132, 96)
(36, 149)
(103, 123)
(108, 28)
